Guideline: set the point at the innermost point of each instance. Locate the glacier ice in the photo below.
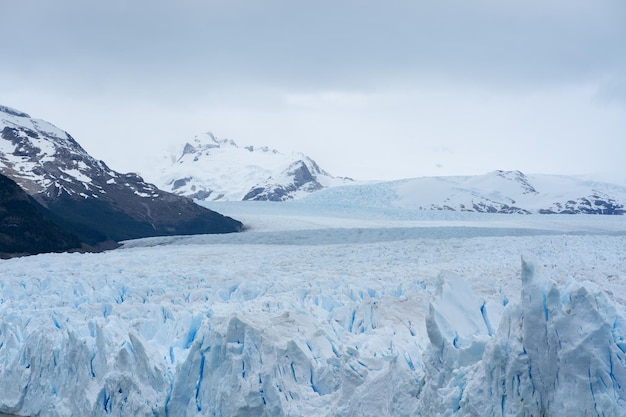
(559, 351)
(288, 367)
(197, 327)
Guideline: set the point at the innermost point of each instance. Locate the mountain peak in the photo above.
(209, 168)
(204, 143)
(516, 176)
(209, 140)
(13, 112)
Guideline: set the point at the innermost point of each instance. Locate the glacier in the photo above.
(558, 351)
(324, 313)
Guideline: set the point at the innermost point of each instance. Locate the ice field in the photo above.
(318, 310)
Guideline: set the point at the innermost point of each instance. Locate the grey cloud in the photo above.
(353, 44)
(613, 90)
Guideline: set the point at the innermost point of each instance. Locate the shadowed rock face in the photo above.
(302, 180)
(596, 203)
(88, 198)
(25, 229)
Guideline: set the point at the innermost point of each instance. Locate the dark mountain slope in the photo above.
(24, 228)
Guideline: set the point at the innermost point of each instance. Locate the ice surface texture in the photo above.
(199, 327)
(559, 351)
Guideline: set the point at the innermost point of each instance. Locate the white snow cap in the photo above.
(208, 168)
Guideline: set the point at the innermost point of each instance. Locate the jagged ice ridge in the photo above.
(559, 351)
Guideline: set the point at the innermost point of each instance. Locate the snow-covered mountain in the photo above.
(208, 168)
(494, 192)
(85, 195)
(213, 169)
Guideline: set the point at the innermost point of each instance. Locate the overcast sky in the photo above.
(369, 89)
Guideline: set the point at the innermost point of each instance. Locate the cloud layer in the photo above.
(490, 82)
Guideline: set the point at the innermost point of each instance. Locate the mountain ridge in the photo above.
(498, 191)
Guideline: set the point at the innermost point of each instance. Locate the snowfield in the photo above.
(321, 310)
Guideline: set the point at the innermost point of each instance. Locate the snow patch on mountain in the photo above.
(45, 159)
(210, 169)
